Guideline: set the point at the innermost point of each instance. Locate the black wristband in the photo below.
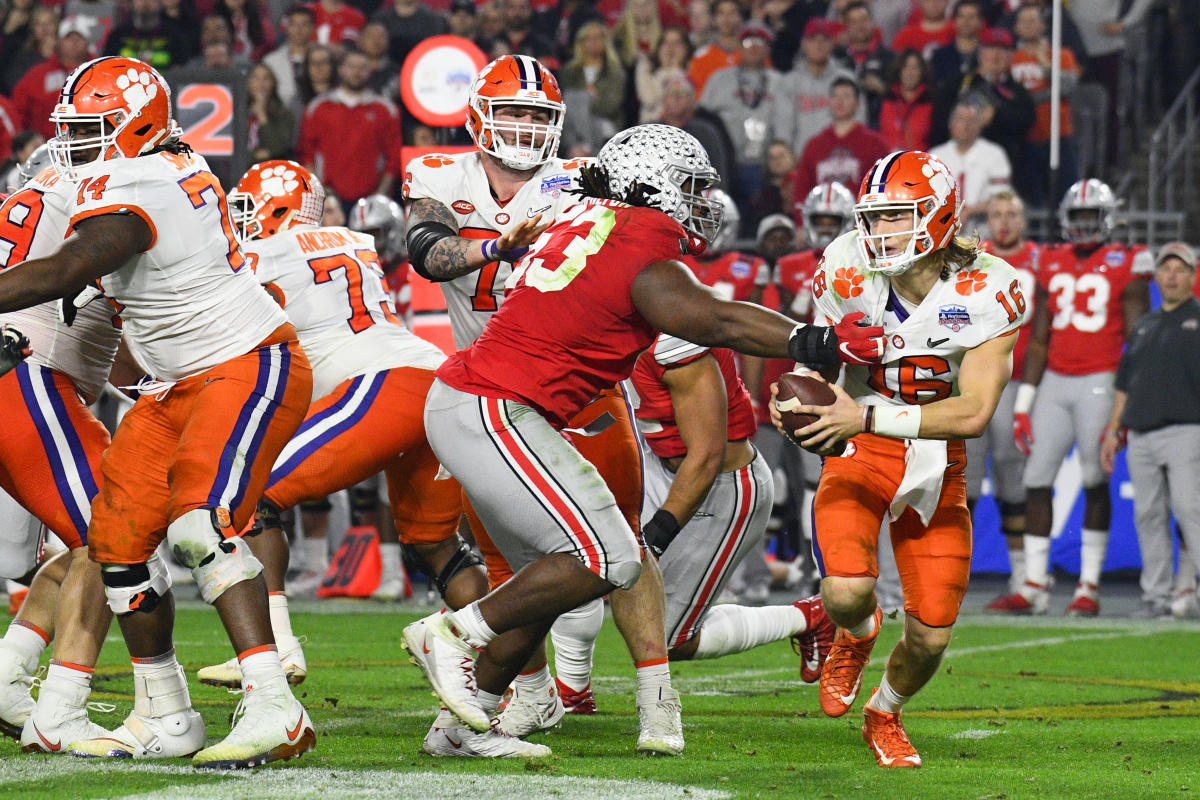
(421, 238)
(660, 531)
(815, 345)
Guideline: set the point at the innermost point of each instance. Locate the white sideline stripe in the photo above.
(974, 733)
(315, 783)
(1049, 640)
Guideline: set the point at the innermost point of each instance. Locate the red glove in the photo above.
(859, 344)
(1022, 432)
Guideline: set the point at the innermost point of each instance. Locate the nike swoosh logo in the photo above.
(931, 342)
(952, 464)
(702, 514)
(212, 380)
(425, 643)
(849, 699)
(533, 212)
(454, 744)
(294, 733)
(902, 414)
(54, 747)
(887, 762)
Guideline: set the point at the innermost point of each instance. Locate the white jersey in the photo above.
(33, 223)
(189, 302)
(926, 342)
(459, 183)
(330, 283)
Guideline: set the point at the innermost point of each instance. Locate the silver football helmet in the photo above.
(673, 165)
(381, 217)
(731, 220)
(828, 213)
(31, 167)
(1088, 211)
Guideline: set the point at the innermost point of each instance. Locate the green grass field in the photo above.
(1046, 709)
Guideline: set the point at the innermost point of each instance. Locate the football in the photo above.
(806, 390)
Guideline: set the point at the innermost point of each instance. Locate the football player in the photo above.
(1090, 294)
(949, 313)
(228, 385)
(595, 291)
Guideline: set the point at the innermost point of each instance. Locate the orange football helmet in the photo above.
(913, 182)
(273, 196)
(515, 81)
(126, 99)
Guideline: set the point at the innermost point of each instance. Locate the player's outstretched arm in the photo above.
(100, 245)
(438, 253)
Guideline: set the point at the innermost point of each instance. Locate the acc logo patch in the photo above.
(502, 218)
(555, 185)
(462, 206)
(954, 317)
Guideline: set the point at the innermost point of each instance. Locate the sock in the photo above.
(887, 699)
(1091, 557)
(469, 619)
(653, 675)
(574, 639)
(389, 553)
(864, 629)
(316, 555)
(489, 701)
(260, 665)
(1037, 559)
(159, 686)
(28, 640)
(732, 629)
(65, 671)
(281, 620)
(1017, 578)
(535, 681)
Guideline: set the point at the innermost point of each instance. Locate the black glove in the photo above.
(848, 341)
(14, 348)
(660, 531)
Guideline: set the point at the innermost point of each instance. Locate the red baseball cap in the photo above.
(996, 37)
(820, 26)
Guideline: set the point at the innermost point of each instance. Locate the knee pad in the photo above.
(216, 562)
(135, 587)
(463, 558)
(266, 516)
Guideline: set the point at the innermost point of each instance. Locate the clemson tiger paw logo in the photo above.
(970, 281)
(436, 161)
(847, 282)
(137, 87)
(279, 180)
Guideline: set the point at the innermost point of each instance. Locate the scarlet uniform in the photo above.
(51, 448)
(793, 279)
(370, 373)
(731, 274)
(917, 482)
(1087, 323)
(231, 383)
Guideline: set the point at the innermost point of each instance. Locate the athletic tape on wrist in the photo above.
(898, 422)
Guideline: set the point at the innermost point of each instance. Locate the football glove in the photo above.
(848, 341)
(14, 348)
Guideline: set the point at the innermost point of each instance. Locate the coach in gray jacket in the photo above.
(1158, 403)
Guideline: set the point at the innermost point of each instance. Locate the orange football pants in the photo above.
(613, 452)
(209, 442)
(372, 423)
(852, 498)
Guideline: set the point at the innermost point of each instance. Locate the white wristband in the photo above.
(898, 422)
(1025, 395)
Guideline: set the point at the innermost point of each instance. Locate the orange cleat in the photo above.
(577, 702)
(884, 734)
(841, 677)
(813, 645)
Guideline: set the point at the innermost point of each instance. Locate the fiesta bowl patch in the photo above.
(954, 317)
(555, 184)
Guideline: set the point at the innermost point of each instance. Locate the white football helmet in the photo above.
(828, 213)
(672, 164)
(31, 167)
(731, 220)
(1087, 213)
(382, 218)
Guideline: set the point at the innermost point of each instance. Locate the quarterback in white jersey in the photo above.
(228, 387)
(949, 314)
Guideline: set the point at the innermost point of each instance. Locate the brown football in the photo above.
(808, 390)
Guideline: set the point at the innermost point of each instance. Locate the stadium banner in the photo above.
(210, 107)
(436, 78)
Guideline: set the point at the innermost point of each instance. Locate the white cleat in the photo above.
(229, 674)
(661, 725)
(448, 662)
(180, 734)
(390, 590)
(16, 679)
(271, 726)
(526, 714)
(305, 584)
(449, 737)
(59, 719)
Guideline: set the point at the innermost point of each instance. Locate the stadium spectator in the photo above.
(891, 16)
(148, 36)
(1158, 405)
(384, 73)
(638, 31)
(906, 115)
(336, 22)
(320, 68)
(865, 52)
(929, 32)
(775, 194)
(351, 136)
(1007, 108)
(183, 20)
(287, 60)
(981, 167)
(272, 127)
(10, 128)
(407, 23)
(594, 68)
(839, 154)
(803, 108)
(951, 61)
(36, 94)
(463, 19)
(559, 25)
(250, 25)
(522, 36)
(672, 55)
(35, 45)
(15, 20)
(744, 97)
(216, 47)
(725, 50)
(680, 109)
(1031, 67)
(102, 13)
(700, 23)
(490, 29)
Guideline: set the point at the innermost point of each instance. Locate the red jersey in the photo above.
(731, 274)
(350, 140)
(396, 280)
(1025, 262)
(656, 415)
(914, 37)
(568, 328)
(336, 27)
(1087, 327)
